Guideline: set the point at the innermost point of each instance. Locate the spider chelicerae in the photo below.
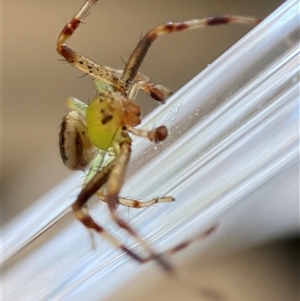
(95, 136)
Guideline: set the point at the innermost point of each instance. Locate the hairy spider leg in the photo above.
(133, 203)
(143, 82)
(113, 174)
(84, 217)
(143, 46)
(186, 243)
(105, 74)
(128, 78)
(78, 60)
(82, 214)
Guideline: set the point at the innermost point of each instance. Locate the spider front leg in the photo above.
(138, 55)
(77, 59)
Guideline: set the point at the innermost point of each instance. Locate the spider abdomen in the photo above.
(103, 120)
(106, 117)
(75, 147)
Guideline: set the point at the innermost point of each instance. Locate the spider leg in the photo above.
(181, 246)
(136, 203)
(114, 185)
(143, 46)
(190, 241)
(83, 216)
(143, 82)
(142, 204)
(78, 60)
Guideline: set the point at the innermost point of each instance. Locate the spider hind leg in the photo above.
(113, 175)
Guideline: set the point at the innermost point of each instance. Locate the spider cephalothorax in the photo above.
(96, 136)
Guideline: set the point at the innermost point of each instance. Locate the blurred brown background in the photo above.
(35, 83)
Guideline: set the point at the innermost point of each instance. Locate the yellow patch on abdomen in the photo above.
(103, 122)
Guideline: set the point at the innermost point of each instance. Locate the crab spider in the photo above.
(96, 136)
